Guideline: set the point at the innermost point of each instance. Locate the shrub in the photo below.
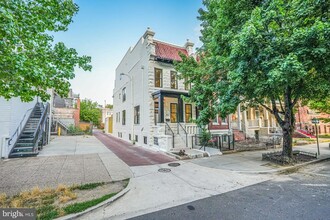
(205, 137)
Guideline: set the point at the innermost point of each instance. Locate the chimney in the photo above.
(149, 35)
(189, 47)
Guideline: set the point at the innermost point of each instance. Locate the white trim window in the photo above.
(123, 121)
(124, 94)
(224, 121)
(215, 121)
(137, 115)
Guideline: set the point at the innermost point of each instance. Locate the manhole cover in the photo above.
(164, 170)
(174, 164)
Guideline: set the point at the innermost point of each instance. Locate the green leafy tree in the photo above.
(255, 52)
(322, 106)
(109, 106)
(30, 61)
(90, 112)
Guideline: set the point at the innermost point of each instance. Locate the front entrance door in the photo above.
(174, 112)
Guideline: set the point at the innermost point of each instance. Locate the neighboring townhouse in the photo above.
(255, 123)
(24, 127)
(66, 112)
(107, 119)
(149, 106)
(106, 113)
(304, 125)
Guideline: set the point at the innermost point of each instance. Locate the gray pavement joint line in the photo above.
(153, 172)
(105, 166)
(83, 162)
(58, 176)
(315, 174)
(75, 147)
(237, 171)
(35, 171)
(197, 187)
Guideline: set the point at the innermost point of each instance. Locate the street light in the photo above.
(131, 80)
(316, 121)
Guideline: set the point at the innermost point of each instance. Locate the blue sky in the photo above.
(105, 29)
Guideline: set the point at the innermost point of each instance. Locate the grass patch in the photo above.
(87, 186)
(50, 203)
(81, 206)
(126, 182)
(48, 215)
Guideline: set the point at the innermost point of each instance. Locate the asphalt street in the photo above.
(302, 195)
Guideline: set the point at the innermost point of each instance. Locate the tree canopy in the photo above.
(322, 106)
(90, 112)
(109, 106)
(259, 52)
(30, 61)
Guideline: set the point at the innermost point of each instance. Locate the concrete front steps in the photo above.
(188, 153)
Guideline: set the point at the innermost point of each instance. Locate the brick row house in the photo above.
(304, 116)
(65, 112)
(255, 123)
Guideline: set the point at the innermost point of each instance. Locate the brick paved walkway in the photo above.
(132, 155)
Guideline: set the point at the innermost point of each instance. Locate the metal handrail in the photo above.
(184, 130)
(19, 129)
(62, 123)
(170, 129)
(37, 134)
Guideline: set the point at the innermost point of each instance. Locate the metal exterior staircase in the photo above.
(33, 135)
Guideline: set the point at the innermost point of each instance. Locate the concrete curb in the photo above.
(286, 169)
(187, 157)
(104, 203)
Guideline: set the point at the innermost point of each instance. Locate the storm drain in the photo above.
(190, 207)
(174, 164)
(164, 170)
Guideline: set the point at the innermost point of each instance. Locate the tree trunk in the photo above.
(287, 140)
(288, 125)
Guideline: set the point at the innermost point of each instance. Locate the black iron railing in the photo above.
(169, 131)
(39, 133)
(180, 126)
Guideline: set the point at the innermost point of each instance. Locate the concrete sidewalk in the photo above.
(152, 190)
(82, 159)
(66, 160)
(251, 161)
(81, 145)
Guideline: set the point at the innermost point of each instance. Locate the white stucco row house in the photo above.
(148, 105)
(149, 108)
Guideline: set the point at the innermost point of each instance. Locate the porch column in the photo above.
(180, 109)
(267, 117)
(161, 108)
(197, 112)
(245, 122)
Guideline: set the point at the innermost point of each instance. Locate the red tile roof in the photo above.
(168, 51)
